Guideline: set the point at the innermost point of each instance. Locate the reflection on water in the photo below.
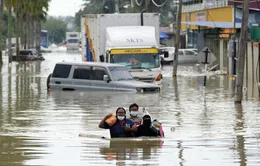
(18, 150)
(240, 138)
(136, 150)
(202, 125)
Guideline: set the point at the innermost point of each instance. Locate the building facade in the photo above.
(214, 19)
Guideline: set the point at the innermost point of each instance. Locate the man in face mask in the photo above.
(133, 109)
(118, 129)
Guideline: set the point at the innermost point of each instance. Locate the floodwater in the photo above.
(202, 125)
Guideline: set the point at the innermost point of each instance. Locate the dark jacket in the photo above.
(117, 130)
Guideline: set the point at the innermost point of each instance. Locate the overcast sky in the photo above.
(64, 7)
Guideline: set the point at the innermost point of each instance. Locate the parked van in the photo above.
(95, 76)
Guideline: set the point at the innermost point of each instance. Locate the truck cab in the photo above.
(136, 48)
(130, 39)
(72, 40)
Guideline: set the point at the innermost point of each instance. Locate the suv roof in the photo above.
(98, 64)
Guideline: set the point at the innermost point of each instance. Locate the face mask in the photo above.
(120, 118)
(133, 113)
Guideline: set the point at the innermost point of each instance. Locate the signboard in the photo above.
(230, 48)
(202, 56)
(201, 16)
(134, 51)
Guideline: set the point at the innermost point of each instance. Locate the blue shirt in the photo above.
(117, 130)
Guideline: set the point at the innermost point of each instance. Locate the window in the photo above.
(136, 61)
(61, 71)
(73, 41)
(73, 35)
(189, 53)
(82, 73)
(24, 53)
(181, 53)
(120, 73)
(98, 73)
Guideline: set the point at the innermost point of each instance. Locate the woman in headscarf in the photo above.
(145, 129)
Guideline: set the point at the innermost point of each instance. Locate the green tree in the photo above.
(56, 29)
(164, 7)
(25, 24)
(9, 5)
(4, 16)
(33, 13)
(89, 7)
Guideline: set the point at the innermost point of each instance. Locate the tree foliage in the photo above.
(167, 12)
(23, 18)
(56, 29)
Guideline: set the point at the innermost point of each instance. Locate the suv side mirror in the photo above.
(102, 58)
(105, 78)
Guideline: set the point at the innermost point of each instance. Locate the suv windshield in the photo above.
(137, 61)
(120, 73)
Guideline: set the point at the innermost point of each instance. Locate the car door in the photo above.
(81, 79)
(60, 76)
(97, 78)
(191, 56)
(181, 57)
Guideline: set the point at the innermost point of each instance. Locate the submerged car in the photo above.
(95, 76)
(30, 55)
(186, 56)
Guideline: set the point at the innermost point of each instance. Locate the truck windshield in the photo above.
(137, 61)
(120, 73)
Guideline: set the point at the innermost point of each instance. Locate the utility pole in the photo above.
(241, 53)
(177, 41)
(234, 45)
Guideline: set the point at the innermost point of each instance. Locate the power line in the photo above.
(139, 4)
(161, 4)
(210, 16)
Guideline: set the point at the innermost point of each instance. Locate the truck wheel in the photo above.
(48, 81)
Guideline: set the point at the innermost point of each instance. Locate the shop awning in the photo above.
(214, 24)
(164, 36)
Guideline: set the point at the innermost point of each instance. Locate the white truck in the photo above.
(73, 40)
(131, 39)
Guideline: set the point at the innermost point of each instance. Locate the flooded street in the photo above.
(202, 125)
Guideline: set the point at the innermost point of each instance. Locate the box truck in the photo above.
(131, 39)
(73, 40)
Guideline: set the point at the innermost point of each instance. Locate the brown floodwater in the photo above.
(202, 125)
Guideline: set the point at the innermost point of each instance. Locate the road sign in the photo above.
(202, 56)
